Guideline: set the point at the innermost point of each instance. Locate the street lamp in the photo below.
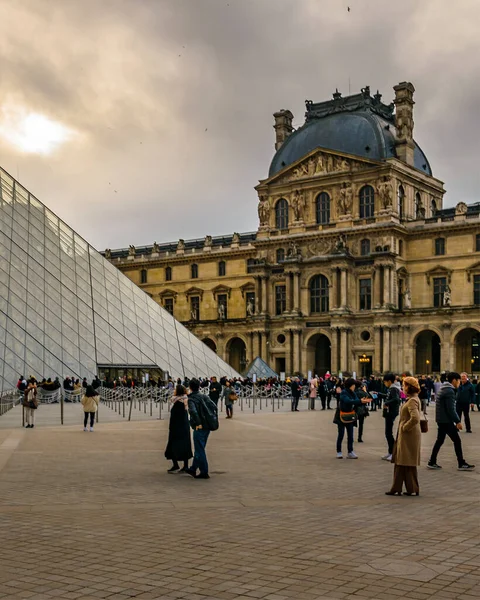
(427, 362)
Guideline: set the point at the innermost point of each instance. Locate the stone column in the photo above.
(377, 283)
(251, 337)
(393, 295)
(296, 292)
(288, 352)
(297, 350)
(263, 345)
(344, 300)
(377, 366)
(334, 287)
(258, 296)
(386, 349)
(334, 350)
(288, 292)
(255, 344)
(343, 349)
(386, 286)
(264, 296)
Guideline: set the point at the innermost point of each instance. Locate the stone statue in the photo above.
(407, 298)
(447, 296)
(108, 253)
(193, 314)
(343, 165)
(181, 245)
(263, 210)
(131, 251)
(320, 167)
(345, 199)
(298, 205)
(236, 238)
(208, 241)
(341, 245)
(293, 250)
(461, 208)
(221, 311)
(385, 192)
(250, 308)
(155, 248)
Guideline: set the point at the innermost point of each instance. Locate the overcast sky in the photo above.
(159, 112)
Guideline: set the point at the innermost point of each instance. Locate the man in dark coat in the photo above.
(465, 398)
(391, 408)
(215, 390)
(296, 391)
(448, 423)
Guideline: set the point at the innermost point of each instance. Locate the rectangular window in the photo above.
(476, 290)
(222, 268)
(477, 242)
(222, 306)
(195, 308)
(280, 299)
(143, 276)
(365, 294)
(168, 305)
(439, 246)
(439, 288)
(250, 303)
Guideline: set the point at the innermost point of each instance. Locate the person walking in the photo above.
(312, 391)
(229, 396)
(215, 390)
(465, 399)
(90, 402)
(448, 423)
(203, 420)
(406, 451)
(179, 445)
(30, 403)
(345, 416)
(391, 407)
(296, 390)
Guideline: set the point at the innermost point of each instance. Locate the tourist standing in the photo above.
(312, 391)
(90, 402)
(215, 390)
(406, 452)
(391, 407)
(296, 390)
(30, 403)
(345, 417)
(362, 409)
(448, 423)
(229, 396)
(203, 419)
(179, 445)
(465, 397)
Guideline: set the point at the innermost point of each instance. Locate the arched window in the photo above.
(319, 294)
(433, 207)
(322, 208)
(194, 271)
(367, 202)
(280, 255)
(168, 273)
(365, 247)
(281, 214)
(143, 276)
(222, 268)
(401, 202)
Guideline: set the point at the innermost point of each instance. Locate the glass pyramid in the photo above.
(259, 368)
(64, 309)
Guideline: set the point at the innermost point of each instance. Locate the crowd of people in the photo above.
(194, 405)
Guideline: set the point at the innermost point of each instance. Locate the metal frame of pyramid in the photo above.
(260, 368)
(64, 309)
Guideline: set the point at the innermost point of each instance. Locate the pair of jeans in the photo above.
(200, 438)
(92, 418)
(361, 420)
(389, 433)
(341, 432)
(449, 429)
(229, 410)
(464, 409)
(295, 400)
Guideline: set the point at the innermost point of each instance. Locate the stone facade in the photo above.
(355, 267)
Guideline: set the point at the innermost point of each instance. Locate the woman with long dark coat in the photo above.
(179, 446)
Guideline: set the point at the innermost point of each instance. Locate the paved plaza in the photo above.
(95, 515)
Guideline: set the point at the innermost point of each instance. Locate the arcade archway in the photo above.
(210, 343)
(319, 354)
(237, 354)
(467, 351)
(428, 355)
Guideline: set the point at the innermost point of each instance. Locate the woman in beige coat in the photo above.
(90, 405)
(406, 453)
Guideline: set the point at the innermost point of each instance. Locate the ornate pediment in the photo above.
(439, 271)
(473, 270)
(194, 291)
(319, 163)
(168, 293)
(221, 289)
(247, 287)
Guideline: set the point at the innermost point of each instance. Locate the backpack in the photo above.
(209, 413)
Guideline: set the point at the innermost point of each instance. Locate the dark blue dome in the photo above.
(362, 133)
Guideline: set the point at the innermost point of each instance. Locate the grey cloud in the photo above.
(184, 139)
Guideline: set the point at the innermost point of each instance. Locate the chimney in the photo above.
(404, 121)
(283, 126)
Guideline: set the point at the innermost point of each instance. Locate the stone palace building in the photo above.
(355, 266)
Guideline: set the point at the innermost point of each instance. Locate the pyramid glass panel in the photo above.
(66, 311)
(260, 368)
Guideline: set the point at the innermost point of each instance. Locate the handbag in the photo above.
(347, 418)
(424, 424)
(232, 397)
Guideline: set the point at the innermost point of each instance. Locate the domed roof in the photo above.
(359, 125)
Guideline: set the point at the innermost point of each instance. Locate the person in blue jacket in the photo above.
(347, 404)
